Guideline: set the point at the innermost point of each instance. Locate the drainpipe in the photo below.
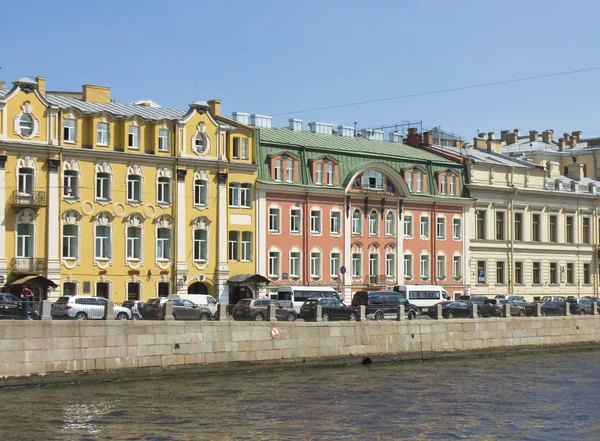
(433, 245)
(511, 230)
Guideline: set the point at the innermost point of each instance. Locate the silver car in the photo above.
(86, 307)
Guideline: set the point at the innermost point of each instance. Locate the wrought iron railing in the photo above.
(377, 280)
(33, 199)
(28, 265)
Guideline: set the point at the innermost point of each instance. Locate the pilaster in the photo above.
(261, 235)
(52, 233)
(181, 234)
(3, 268)
(347, 277)
(222, 246)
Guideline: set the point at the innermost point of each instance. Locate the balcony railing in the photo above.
(377, 280)
(33, 199)
(27, 265)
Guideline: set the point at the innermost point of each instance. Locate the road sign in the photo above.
(342, 270)
(1, 279)
(275, 332)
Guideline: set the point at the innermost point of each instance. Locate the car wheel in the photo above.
(122, 316)
(326, 317)
(450, 315)
(81, 316)
(352, 317)
(291, 317)
(379, 315)
(259, 317)
(136, 316)
(204, 317)
(582, 312)
(522, 314)
(412, 315)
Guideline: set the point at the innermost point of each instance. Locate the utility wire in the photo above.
(452, 89)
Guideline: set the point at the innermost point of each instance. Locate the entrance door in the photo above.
(238, 293)
(103, 290)
(163, 289)
(197, 288)
(133, 291)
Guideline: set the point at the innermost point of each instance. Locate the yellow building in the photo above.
(126, 201)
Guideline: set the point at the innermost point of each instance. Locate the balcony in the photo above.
(378, 280)
(28, 265)
(35, 199)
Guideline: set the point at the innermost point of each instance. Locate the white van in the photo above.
(204, 300)
(423, 296)
(296, 295)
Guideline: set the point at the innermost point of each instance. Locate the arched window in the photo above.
(164, 228)
(374, 223)
(315, 263)
(356, 222)
(134, 237)
(70, 242)
(103, 236)
(103, 182)
(274, 263)
(26, 124)
(390, 224)
(134, 184)
(25, 226)
(200, 240)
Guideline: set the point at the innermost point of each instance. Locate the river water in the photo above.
(541, 396)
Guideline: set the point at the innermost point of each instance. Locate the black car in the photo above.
(135, 306)
(552, 305)
(379, 304)
(495, 308)
(332, 309)
(585, 306)
(258, 310)
(11, 307)
(452, 309)
(154, 309)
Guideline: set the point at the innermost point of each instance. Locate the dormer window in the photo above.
(278, 168)
(372, 180)
(414, 180)
(133, 137)
(443, 184)
(70, 130)
(26, 125)
(330, 174)
(447, 183)
(289, 170)
(319, 173)
(200, 144)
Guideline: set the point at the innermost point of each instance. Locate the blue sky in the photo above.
(272, 57)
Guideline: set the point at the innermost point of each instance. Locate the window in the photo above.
(424, 266)
(245, 150)
(373, 264)
(554, 273)
(164, 190)
(26, 124)
(329, 174)
(163, 244)
(274, 264)
(70, 184)
(499, 225)
(102, 242)
(552, 228)
(289, 170)
(103, 186)
(319, 173)
(200, 245)
(295, 220)
(25, 181)
(419, 179)
(102, 134)
(518, 226)
(443, 184)
(335, 261)
(336, 222)
(295, 264)
(452, 185)
(457, 267)
(24, 241)
(201, 192)
(410, 181)
(315, 264)
(356, 222)
(586, 274)
(390, 224)
(570, 229)
(408, 225)
(69, 289)
(408, 266)
(278, 168)
(456, 228)
(134, 188)
(441, 266)
(240, 195)
(570, 273)
(200, 144)
(500, 274)
(134, 243)
(236, 148)
(234, 238)
(535, 227)
(163, 140)
(356, 264)
(441, 228)
(424, 227)
(372, 180)
(519, 273)
(390, 266)
(69, 130)
(315, 221)
(585, 230)
(274, 220)
(480, 224)
(373, 223)
(70, 242)
(537, 273)
(133, 138)
(481, 271)
(246, 246)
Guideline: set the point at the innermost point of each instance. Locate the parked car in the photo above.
(452, 309)
(381, 304)
(585, 306)
(86, 307)
(135, 306)
(258, 310)
(519, 300)
(555, 305)
(495, 308)
(154, 309)
(478, 300)
(11, 307)
(203, 300)
(531, 306)
(332, 309)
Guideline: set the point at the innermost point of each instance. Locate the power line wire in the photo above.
(452, 89)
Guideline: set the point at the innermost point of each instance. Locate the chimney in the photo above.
(493, 145)
(428, 138)
(459, 143)
(566, 137)
(533, 135)
(321, 127)
(261, 120)
(576, 135)
(575, 171)
(572, 141)
(41, 81)
(479, 143)
(373, 135)
(547, 136)
(413, 138)
(295, 124)
(346, 131)
(215, 107)
(241, 117)
(517, 132)
(503, 134)
(396, 137)
(553, 169)
(562, 145)
(2, 85)
(512, 138)
(96, 94)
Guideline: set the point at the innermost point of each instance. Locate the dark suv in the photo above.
(257, 310)
(331, 309)
(379, 304)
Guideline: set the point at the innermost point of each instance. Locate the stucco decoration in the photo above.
(103, 167)
(164, 172)
(104, 219)
(164, 221)
(26, 216)
(26, 162)
(71, 164)
(71, 217)
(201, 223)
(135, 169)
(134, 220)
(201, 132)
(27, 109)
(149, 211)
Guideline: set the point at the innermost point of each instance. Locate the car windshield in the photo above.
(63, 300)
(311, 302)
(153, 301)
(245, 302)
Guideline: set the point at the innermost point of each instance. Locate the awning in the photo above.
(240, 279)
(34, 280)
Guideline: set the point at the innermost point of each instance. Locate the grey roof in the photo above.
(3, 93)
(484, 156)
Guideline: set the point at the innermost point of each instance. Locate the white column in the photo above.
(468, 216)
(347, 278)
(182, 234)
(53, 228)
(261, 236)
(3, 268)
(400, 248)
(222, 230)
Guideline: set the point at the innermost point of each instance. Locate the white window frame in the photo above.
(440, 227)
(70, 182)
(289, 170)
(408, 266)
(200, 245)
(103, 186)
(70, 241)
(335, 262)
(164, 190)
(26, 181)
(390, 224)
(316, 264)
(356, 222)
(408, 224)
(330, 174)
(425, 266)
(295, 263)
(373, 264)
(319, 173)
(335, 223)
(235, 150)
(424, 227)
(410, 176)
(356, 264)
(134, 243)
(443, 184)
(164, 244)
(295, 220)
(163, 140)
(233, 250)
(457, 228)
(245, 154)
(274, 266)
(70, 130)
(134, 181)
(103, 134)
(133, 137)
(102, 244)
(201, 192)
(457, 267)
(374, 223)
(274, 219)
(440, 262)
(452, 185)
(25, 242)
(246, 251)
(316, 221)
(419, 181)
(278, 167)
(390, 265)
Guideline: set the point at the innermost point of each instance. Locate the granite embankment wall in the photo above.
(54, 351)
